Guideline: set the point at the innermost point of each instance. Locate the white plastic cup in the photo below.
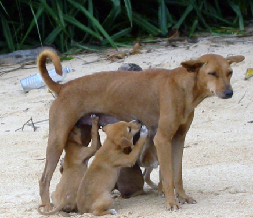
(36, 82)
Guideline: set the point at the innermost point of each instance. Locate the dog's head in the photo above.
(121, 133)
(213, 74)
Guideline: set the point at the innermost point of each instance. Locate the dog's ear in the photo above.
(192, 65)
(123, 142)
(237, 59)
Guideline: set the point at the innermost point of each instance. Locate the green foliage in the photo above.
(92, 24)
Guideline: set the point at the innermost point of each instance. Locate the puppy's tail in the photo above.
(56, 210)
(48, 53)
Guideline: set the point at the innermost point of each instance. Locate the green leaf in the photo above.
(35, 20)
(120, 34)
(94, 21)
(81, 26)
(53, 35)
(38, 14)
(162, 17)
(238, 13)
(66, 58)
(4, 8)
(53, 14)
(183, 17)
(7, 34)
(129, 11)
(145, 24)
(193, 28)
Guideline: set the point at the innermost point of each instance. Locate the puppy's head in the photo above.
(75, 136)
(121, 133)
(214, 74)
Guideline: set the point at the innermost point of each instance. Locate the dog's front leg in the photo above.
(177, 155)
(164, 152)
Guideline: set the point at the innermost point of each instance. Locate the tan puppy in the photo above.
(127, 186)
(94, 191)
(164, 100)
(73, 168)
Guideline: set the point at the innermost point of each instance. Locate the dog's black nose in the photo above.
(138, 121)
(228, 93)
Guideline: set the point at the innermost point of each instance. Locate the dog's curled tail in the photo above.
(56, 210)
(48, 53)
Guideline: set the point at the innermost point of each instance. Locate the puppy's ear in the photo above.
(105, 128)
(76, 136)
(192, 65)
(237, 59)
(123, 142)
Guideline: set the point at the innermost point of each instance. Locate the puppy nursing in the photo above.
(94, 191)
(73, 169)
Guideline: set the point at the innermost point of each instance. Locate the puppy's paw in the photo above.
(94, 118)
(155, 164)
(144, 131)
(113, 212)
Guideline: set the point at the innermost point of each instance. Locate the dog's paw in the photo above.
(144, 130)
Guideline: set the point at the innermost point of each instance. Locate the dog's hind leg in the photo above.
(177, 155)
(52, 157)
(100, 207)
(59, 127)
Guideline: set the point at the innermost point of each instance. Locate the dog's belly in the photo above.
(104, 119)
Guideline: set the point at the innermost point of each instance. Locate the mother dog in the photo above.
(164, 100)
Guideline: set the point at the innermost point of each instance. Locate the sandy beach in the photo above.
(218, 155)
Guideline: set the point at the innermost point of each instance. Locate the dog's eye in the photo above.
(230, 73)
(213, 74)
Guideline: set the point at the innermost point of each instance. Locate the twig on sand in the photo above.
(32, 124)
(242, 97)
(22, 66)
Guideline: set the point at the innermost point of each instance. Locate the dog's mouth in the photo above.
(226, 94)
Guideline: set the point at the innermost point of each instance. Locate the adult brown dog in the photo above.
(94, 193)
(164, 100)
(74, 166)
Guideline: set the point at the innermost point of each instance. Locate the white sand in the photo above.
(217, 164)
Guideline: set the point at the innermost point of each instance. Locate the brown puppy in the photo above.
(164, 100)
(73, 168)
(94, 191)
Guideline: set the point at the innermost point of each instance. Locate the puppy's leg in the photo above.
(88, 152)
(147, 179)
(148, 157)
(100, 207)
(177, 155)
(96, 143)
